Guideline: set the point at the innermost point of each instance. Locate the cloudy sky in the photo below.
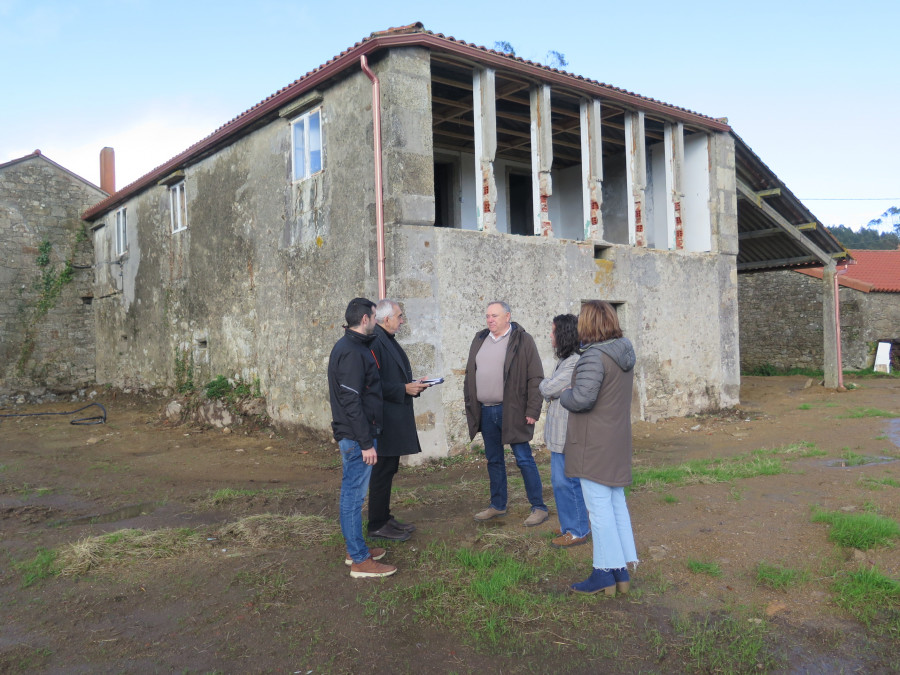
(812, 87)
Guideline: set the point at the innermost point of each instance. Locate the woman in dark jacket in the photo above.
(598, 443)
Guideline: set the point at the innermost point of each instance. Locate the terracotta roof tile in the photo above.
(877, 271)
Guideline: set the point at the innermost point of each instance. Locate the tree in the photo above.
(892, 215)
(554, 58)
(866, 238)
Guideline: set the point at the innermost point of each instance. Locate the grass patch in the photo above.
(41, 566)
(872, 598)
(878, 483)
(858, 530)
(670, 499)
(762, 462)
(861, 413)
(778, 577)
(124, 546)
(723, 643)
(270, 583)
(225, 496)
(270, 529)
(704, 567)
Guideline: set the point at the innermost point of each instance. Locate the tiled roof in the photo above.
(411, 35)
(877, 271)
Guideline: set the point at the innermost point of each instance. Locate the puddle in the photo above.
(861, 461)
(894, 431)
(125, 513)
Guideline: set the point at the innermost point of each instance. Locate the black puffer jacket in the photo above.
(354, 387)
(399, 435)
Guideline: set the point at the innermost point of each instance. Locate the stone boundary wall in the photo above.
(781, 321)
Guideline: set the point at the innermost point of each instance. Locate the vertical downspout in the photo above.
(837, 326)
(379, 196)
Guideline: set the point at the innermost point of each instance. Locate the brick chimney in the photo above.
(108, 170)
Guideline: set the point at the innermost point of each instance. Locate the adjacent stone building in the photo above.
(782, 315)
(502, 179)
(46, 259)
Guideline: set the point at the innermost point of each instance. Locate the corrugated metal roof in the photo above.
(764, 242)
(411, 35)
(877, 271)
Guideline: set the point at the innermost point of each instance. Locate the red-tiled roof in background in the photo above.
(411, 35)
(877, 271)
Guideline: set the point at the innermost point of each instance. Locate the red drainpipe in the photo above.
(379, 196)
(837, 324)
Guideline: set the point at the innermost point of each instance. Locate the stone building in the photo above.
(46, 315)
(781, 313)
(497, 178)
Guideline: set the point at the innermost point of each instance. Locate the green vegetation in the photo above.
(761, 462)
(271, 583)
(184, 371)
(858, 530)
(704, 567)
(670, 499)
(860, 413)
(878, 483)
(723, 643)
(867, 237)
(223, 388)
(872, 598)
(778, 577)
(41, 566)
(224, 496)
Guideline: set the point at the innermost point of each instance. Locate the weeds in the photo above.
(872, 598)
(858, 530)
(777, 577)
(704, 567)
(878, 483)
(860, 413)
(41, 566)
(725, 644)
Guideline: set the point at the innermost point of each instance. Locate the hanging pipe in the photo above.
(379, 196)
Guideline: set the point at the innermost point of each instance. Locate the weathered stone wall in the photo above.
(46, 317)
(781, 321)
(257, 285)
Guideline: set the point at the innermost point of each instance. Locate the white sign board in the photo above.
(883, 358)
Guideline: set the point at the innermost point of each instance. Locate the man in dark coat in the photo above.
(503, 402)
(354, 388)
(398, 435)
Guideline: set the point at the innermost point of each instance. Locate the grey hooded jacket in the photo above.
(598, 439)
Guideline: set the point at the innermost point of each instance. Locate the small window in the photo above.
(307, 144)
(178, 207)
(121, 232)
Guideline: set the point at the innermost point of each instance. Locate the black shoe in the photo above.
(405, 527)
(388, 531)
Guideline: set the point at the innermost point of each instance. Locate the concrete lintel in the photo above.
(541, 158)
(592, 169)
(484, 97)
(635, 176)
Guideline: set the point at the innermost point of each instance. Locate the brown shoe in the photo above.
(488, 513)
(537, 517)
(370, 568)
(374, 553)
(568, 539)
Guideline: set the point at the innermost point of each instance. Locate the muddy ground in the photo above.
(209, 609)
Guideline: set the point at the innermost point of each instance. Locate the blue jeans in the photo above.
(354, 485)
(570, 508)
(610, 525)
(491, 432)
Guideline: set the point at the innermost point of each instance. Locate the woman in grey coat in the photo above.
(574, 527)
(598, 443)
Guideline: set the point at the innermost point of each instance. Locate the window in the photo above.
(307, 144)
(121, 233)
(178, 207)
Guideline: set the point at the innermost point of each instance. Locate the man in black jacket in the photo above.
(354, 387)
(398, 435)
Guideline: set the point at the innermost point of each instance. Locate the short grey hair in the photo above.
(384, 308)
(495, 302)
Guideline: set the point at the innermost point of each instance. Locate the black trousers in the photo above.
(380, 491)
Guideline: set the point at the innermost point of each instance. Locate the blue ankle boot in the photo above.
(623, 581)
(600, 580)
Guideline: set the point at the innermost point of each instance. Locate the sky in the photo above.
(812, 87)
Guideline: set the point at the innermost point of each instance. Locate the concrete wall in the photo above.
(46, 327)
(781, 322)
(257, 285)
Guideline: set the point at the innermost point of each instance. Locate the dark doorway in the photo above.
(445, 196)
(521, 218)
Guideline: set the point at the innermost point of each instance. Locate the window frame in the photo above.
(178, 213)
(121, 231)
(301, 123)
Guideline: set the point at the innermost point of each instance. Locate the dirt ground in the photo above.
(199, 611)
